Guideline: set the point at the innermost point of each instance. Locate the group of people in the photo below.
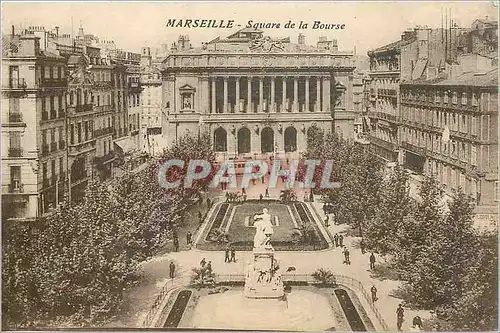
(230, 254)
(236, 196)
(206, 266)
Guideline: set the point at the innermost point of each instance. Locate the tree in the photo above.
(395, 205)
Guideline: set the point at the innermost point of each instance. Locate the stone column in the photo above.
(237, 106)
(225, 94)
(261, 93)
(318, 94)
(249, 94)
(214, 105)
(283, 103)
(273, 104)
(326, 94)
(306, 107)
(295, 94)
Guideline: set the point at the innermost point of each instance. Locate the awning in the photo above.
(125, 145)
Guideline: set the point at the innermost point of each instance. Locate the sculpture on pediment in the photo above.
(266, 44)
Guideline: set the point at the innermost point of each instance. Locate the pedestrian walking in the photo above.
(347, 255)
(267, 193)
(327, 222)
(233, 255)
(188, 237)
(400, 312)
(209, 203)
(172, 269)
(324, 209)
(334, 219)
(244, 197)
(336, 240)
(203, 262)
(226, 257)
(341, 240)
(417, 322)
(362, 246)
(373, 289)
(311, 196)
(261, 197)
(227, 196)
(243, 191)
(176, 244)
(372, 261)
(209, 267)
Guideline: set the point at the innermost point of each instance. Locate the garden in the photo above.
(231, 224)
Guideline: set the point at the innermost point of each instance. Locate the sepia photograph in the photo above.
(260, 166)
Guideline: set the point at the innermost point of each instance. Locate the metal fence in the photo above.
(307, 278)
(170, 285)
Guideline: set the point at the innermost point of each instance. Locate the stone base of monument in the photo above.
(262, 277)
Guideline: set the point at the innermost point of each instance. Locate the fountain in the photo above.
(262, 275)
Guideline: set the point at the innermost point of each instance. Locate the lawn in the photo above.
(241, 235)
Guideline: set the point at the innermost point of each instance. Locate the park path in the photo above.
(156, 270)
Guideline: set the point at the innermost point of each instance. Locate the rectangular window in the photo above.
(72, 134)
(474, 99)
(48, 72)
(454, 98)
(15, 177)
(86, 129)
(61, 168)
(473, 155)
(495, 192)
(464, 98)
(53, 170)
(44, 171)
(79, 132)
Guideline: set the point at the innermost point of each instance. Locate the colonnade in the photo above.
(257, 94)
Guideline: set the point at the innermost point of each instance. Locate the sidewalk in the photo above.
(156, 270)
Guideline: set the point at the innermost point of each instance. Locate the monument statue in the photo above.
(263, 277)
(263, 229)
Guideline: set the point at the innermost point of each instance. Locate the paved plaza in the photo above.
(156, 270)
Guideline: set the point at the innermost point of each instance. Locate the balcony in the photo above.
(15, 152)
(16, 187)
(414, 149)
(81, 108)
(387, 93)
(62, 144)
(105, 159)
(54, 82)
(17, 83)
(53, 146)
(81, 148)
(381, 143)
(15, 117)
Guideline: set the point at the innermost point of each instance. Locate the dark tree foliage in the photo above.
(72, 267)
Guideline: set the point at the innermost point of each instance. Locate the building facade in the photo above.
(450, 130)
(256, 95)
(34, 158)
(151, 110)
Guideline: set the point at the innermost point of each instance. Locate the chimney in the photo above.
(302, 39)
(13, 31)
(57, 31)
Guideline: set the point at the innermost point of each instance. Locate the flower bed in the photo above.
(175, 314)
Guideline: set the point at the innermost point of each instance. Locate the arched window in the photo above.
(220, 140)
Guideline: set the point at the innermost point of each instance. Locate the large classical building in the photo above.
(257, 95)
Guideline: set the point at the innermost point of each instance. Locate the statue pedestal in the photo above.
(262, 277)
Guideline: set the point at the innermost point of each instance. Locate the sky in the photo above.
(131, 25)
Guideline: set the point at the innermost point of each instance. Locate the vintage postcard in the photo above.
(283, 166)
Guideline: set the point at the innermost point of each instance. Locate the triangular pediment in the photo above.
(187, 87)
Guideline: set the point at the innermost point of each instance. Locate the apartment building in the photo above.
(34, 160)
